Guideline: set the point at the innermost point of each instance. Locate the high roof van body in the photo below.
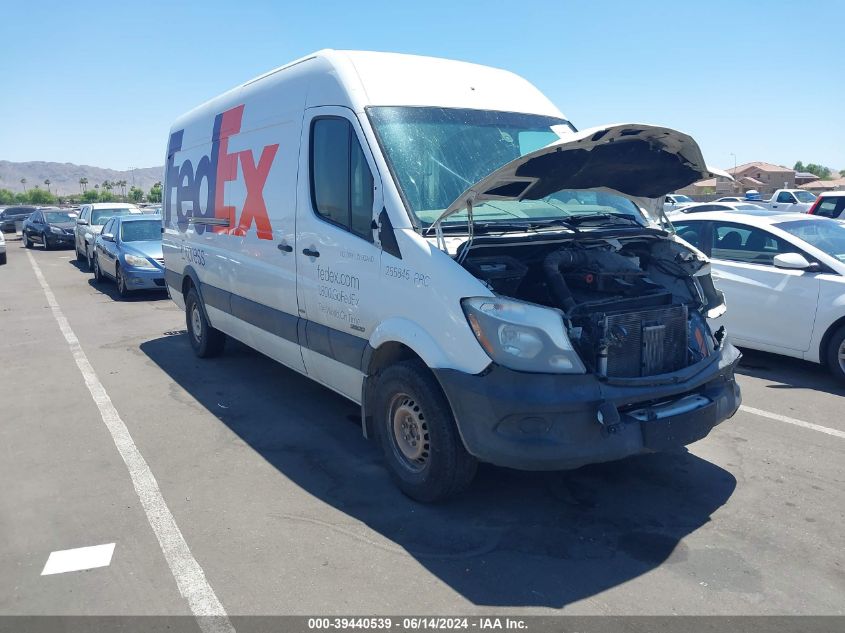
(435, 241)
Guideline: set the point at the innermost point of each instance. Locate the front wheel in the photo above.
(26, 242)
(122, 288)
(836, 354)
(89, 257)
(98, 274)
(46, 241)
(79, 257)
(206, 341)
(418, 434)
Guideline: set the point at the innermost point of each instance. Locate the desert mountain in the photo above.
(64, 177)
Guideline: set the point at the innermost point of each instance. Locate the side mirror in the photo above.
(82, 222)
(108, 237)
(792, 261)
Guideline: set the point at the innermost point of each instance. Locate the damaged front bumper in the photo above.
(559, 422)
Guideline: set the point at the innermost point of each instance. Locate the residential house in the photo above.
(803, 177)
(764, 177)
(817, 186)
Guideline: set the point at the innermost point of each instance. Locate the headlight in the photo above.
(56, 230)
(522, 336)
(137, 262)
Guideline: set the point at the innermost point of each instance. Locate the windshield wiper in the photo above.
(601, 217)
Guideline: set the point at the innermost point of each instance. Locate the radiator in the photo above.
(647, 343)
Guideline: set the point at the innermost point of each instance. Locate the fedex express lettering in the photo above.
(216, 170)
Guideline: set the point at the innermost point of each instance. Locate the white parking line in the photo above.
(77, 559)
(190, 578)
(788, 420)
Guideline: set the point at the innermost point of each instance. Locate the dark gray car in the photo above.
(10, 215)
(50, 228)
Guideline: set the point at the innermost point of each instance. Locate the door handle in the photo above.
(287, 248)
(310, 252)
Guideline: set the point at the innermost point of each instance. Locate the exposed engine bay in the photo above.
(633, 307)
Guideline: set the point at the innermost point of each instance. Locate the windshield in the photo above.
(805, 196)
(825, 235)
(140, 230)
(683, 199)
(57, 217)
(435, 154)
(100, 216)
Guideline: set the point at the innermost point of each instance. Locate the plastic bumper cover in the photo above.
(141, 279)
(558, 422)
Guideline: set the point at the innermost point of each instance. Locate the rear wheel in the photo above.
(418, 435)
(836, 353)
(206, 341)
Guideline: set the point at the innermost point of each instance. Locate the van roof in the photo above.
(357, 79)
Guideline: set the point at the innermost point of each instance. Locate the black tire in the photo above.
(89, 257)
(79, 257)
(47, 246)
(25, 240)
(835, 354)
(2, 259)
(206, 341)
(98, 274)
(441, 466)
(122, 289)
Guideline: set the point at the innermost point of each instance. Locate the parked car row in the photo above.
(115, 241)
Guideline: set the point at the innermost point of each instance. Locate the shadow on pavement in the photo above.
(514, 539)
(784, 372)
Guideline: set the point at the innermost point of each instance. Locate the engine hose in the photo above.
(552, 266)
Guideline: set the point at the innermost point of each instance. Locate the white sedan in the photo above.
(701, 207)
(783, 276)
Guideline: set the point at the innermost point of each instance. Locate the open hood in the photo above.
(639, 161)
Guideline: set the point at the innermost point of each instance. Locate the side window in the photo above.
(784, 196)
(830, 207)
(736, 243)
(341, 181)
(107, 228)
(692, 232)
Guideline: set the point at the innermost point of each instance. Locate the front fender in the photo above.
(401, 330)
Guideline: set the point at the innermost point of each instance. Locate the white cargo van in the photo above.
(435, 241)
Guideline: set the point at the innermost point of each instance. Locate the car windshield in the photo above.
(805, 196)
(140, 230)
(100, 216)
(435, 154)
(683, 199)
(57, 217)
(826, 235)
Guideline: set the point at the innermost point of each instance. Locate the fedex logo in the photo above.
(186, 182)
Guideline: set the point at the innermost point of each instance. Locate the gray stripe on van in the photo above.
(341, 346)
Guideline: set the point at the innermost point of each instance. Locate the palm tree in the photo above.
(82, 183)
(122, 185)
(23, 182)
(47, 182)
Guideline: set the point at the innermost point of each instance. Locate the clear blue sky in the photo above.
(99, 83)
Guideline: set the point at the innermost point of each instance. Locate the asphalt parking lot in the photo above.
(283, 507)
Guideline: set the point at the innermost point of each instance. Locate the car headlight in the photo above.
(522, 336)
(56, 230)
(137, 262)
